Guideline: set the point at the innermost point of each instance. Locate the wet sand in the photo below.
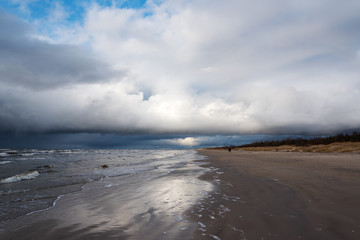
(137, 206)
(280, 195)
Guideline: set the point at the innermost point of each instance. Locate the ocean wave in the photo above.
(12, 153)
(19, 177)
(4, 162)
(14, 191)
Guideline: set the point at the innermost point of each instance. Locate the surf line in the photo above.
(55, 201)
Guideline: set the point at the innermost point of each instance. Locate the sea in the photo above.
(100, 193)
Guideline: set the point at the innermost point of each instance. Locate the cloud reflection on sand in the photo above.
(153, 209)
(139, 206)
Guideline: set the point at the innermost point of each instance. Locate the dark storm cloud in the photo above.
(28, 62)
(95, 140)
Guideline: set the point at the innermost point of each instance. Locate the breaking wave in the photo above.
(4, 162)
(19, 177)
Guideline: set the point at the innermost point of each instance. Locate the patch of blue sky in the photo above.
(136, 4)
(12, 8)
(75, 10)
(41, 9)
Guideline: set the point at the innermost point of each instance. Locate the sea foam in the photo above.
(19, 177)
(4, 162)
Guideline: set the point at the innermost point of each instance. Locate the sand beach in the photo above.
(183, 195)
(281, 195)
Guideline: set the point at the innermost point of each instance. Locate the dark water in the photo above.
(133, 193)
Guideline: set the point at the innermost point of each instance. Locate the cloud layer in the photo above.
(189, 67)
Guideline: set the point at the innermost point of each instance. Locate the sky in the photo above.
(182, 71)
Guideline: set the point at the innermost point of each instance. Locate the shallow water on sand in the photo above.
(104, 194)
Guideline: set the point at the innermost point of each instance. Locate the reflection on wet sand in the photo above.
(146, 207)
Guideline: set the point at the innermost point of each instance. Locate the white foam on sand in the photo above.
(215, 237)
(202, 225)
(42, 210)
(19, 177)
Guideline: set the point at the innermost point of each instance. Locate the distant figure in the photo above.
(229, 149)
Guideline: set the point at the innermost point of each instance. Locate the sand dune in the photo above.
(333, 147)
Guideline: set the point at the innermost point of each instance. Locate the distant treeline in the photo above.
(353, 137)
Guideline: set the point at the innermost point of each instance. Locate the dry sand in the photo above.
(333, 147)
(280, 195)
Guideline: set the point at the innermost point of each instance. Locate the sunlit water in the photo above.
(109, 193)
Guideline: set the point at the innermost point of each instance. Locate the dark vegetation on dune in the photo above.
(353, 137)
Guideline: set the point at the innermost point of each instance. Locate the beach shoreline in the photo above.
(224, 195)
(280, 195)
(142, 194)
(335, 147)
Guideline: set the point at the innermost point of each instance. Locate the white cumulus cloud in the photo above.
(187, 67)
